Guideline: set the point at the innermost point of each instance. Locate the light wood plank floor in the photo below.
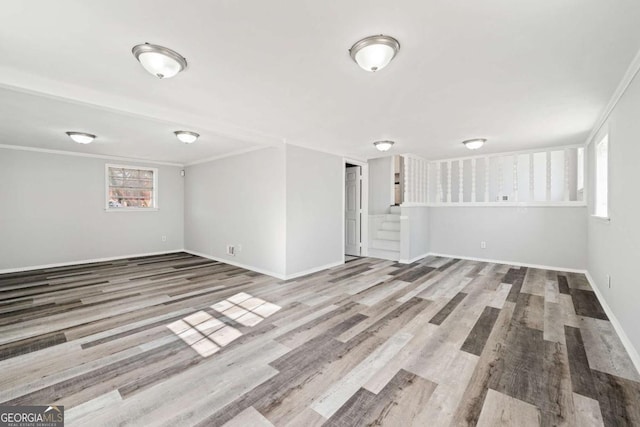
(181, 340)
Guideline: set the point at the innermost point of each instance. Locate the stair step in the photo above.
(394, 210)
(392, 218)
(381, 253)
(387, 245)
(390, 225)
(388, 235)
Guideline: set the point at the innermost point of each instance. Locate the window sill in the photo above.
(111, 210)
(601, 218)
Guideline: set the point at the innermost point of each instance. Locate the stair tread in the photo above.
(384, 244)
(390, 225)
(384, 254)
(388, 235)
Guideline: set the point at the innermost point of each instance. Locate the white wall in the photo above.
(239, 200)
(414, 230)
(549, 236)
(52, 210)
(614, 247)
(315, 212)
(380, 185)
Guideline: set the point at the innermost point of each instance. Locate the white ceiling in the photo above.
(41, 122)
(522, 74)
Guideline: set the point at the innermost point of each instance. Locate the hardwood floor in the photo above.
(181, 340)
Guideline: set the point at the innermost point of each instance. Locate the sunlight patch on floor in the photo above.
(245, 309)
(207, 335)
(204, 333)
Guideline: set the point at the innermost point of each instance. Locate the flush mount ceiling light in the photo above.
(474, 144)
(186, 136)
(160, 61)
(373, 53)
(81, 137)
(383, 145)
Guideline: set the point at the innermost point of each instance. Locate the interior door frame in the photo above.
(364, 195)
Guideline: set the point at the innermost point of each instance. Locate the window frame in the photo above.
(580, 168)
(597, 196)
(130, 209)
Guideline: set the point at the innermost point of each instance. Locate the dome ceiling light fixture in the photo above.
(160, 61)
(81, 137)
(474, 144)
(186, 136)
(373, 53)
(383, 145)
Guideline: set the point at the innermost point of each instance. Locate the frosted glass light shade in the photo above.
(375, 52)
(474, 144)
(81, 137)
(160, 61)
(383, 145)
(186, 136)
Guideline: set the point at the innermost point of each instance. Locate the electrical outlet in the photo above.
(483, 245)
(231, 250)
(164, 238)
(609, 281)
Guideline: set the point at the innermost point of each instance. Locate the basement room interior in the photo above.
(319, 213)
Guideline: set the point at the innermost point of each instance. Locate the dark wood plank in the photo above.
(29, 345)
(415, 273)
(581, 378)
(619, 399)
(488, 371)
(478, 336)
(514, 277)
(563, 285)
(442, 315)
(554, 401)
(586, 304)
(523, 363)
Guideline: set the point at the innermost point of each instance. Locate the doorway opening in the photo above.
(398, 180)
(355, 209)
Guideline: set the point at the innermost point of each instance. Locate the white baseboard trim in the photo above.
(237, 264)
(409, 261)
(86, 261)
(633, 353)
(519, 264)
(313, 270)
(263, 271)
